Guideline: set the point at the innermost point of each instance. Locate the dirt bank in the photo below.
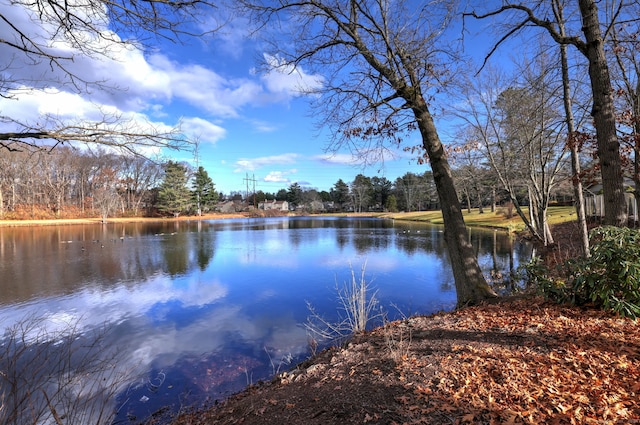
(521, 361)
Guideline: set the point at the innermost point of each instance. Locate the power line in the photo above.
(247, 180)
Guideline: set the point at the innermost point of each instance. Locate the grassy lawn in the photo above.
(487, 219)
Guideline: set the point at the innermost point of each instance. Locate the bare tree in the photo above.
(361, 189)
(626, 54)
(139, 176)
(591, 44)
(44, 44)
(383, 61)
(572, 139)
(519, 127)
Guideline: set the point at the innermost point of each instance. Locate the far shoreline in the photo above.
(473, 219)
(98, 220)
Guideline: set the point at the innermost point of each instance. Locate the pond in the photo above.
(129, 318)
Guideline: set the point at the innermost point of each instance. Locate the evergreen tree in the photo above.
(340, 193)
(174, 196)
(392, 204)
(381, 190)
(294, 195)
(204, 193)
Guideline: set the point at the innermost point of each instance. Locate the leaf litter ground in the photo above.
(522, 360)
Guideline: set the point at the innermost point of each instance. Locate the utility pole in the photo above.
(196, 155)
(255, 201)
(247, 180)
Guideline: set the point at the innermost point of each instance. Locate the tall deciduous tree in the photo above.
(174, 196)
(592, 45)
(624, 41)
(382, 64)
(361, 192)
(519, 127)
(572, 139)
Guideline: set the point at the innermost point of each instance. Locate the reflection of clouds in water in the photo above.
(166, 343)
(375, 262)
(91, 308)
(142, 343)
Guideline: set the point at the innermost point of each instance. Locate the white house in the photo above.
(274, 205)
(594, 200)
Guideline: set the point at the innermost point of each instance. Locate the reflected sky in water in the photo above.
(197, 310)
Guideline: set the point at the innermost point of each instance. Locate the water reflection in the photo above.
(199, 309)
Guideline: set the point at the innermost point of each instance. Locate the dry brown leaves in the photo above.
(522, 361)
(531, 363)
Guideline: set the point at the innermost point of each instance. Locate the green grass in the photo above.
(496, 220)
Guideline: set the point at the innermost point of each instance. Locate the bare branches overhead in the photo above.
(48, 43)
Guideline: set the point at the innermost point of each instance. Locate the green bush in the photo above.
(609, 278)
(537, 275)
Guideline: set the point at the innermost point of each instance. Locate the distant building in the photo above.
(229, 207)
(594, 200)
(274, 205)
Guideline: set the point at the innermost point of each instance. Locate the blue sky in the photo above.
(256, 124)
(249, 123)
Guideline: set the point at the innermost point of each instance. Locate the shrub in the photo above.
(609, 278)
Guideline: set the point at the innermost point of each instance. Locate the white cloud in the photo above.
(339, 158)
(246, 164)
(264, 127)
(203, 130)
(289, 81)
(129, 82)
(231, 32)
(206, 89)
(279, 176)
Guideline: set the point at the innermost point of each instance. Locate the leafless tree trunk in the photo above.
(378, 62)
(624, 39)
(603, 112)
(571, 129)
(471, 285)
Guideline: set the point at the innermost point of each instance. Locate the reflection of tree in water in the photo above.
(204, 248)
(183, 249)
(367, 240)
(497, 252)
(407, 244)
(342, 239)
(175, 249)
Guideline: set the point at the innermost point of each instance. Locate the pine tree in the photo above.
(294, 195)
(204, 193)
(174, 196)
(340, 193)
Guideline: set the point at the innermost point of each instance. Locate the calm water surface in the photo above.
(187, 312)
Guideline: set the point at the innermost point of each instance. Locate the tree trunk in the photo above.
(573, 146)
(615, 212)
(636, 147)
(471, 286)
